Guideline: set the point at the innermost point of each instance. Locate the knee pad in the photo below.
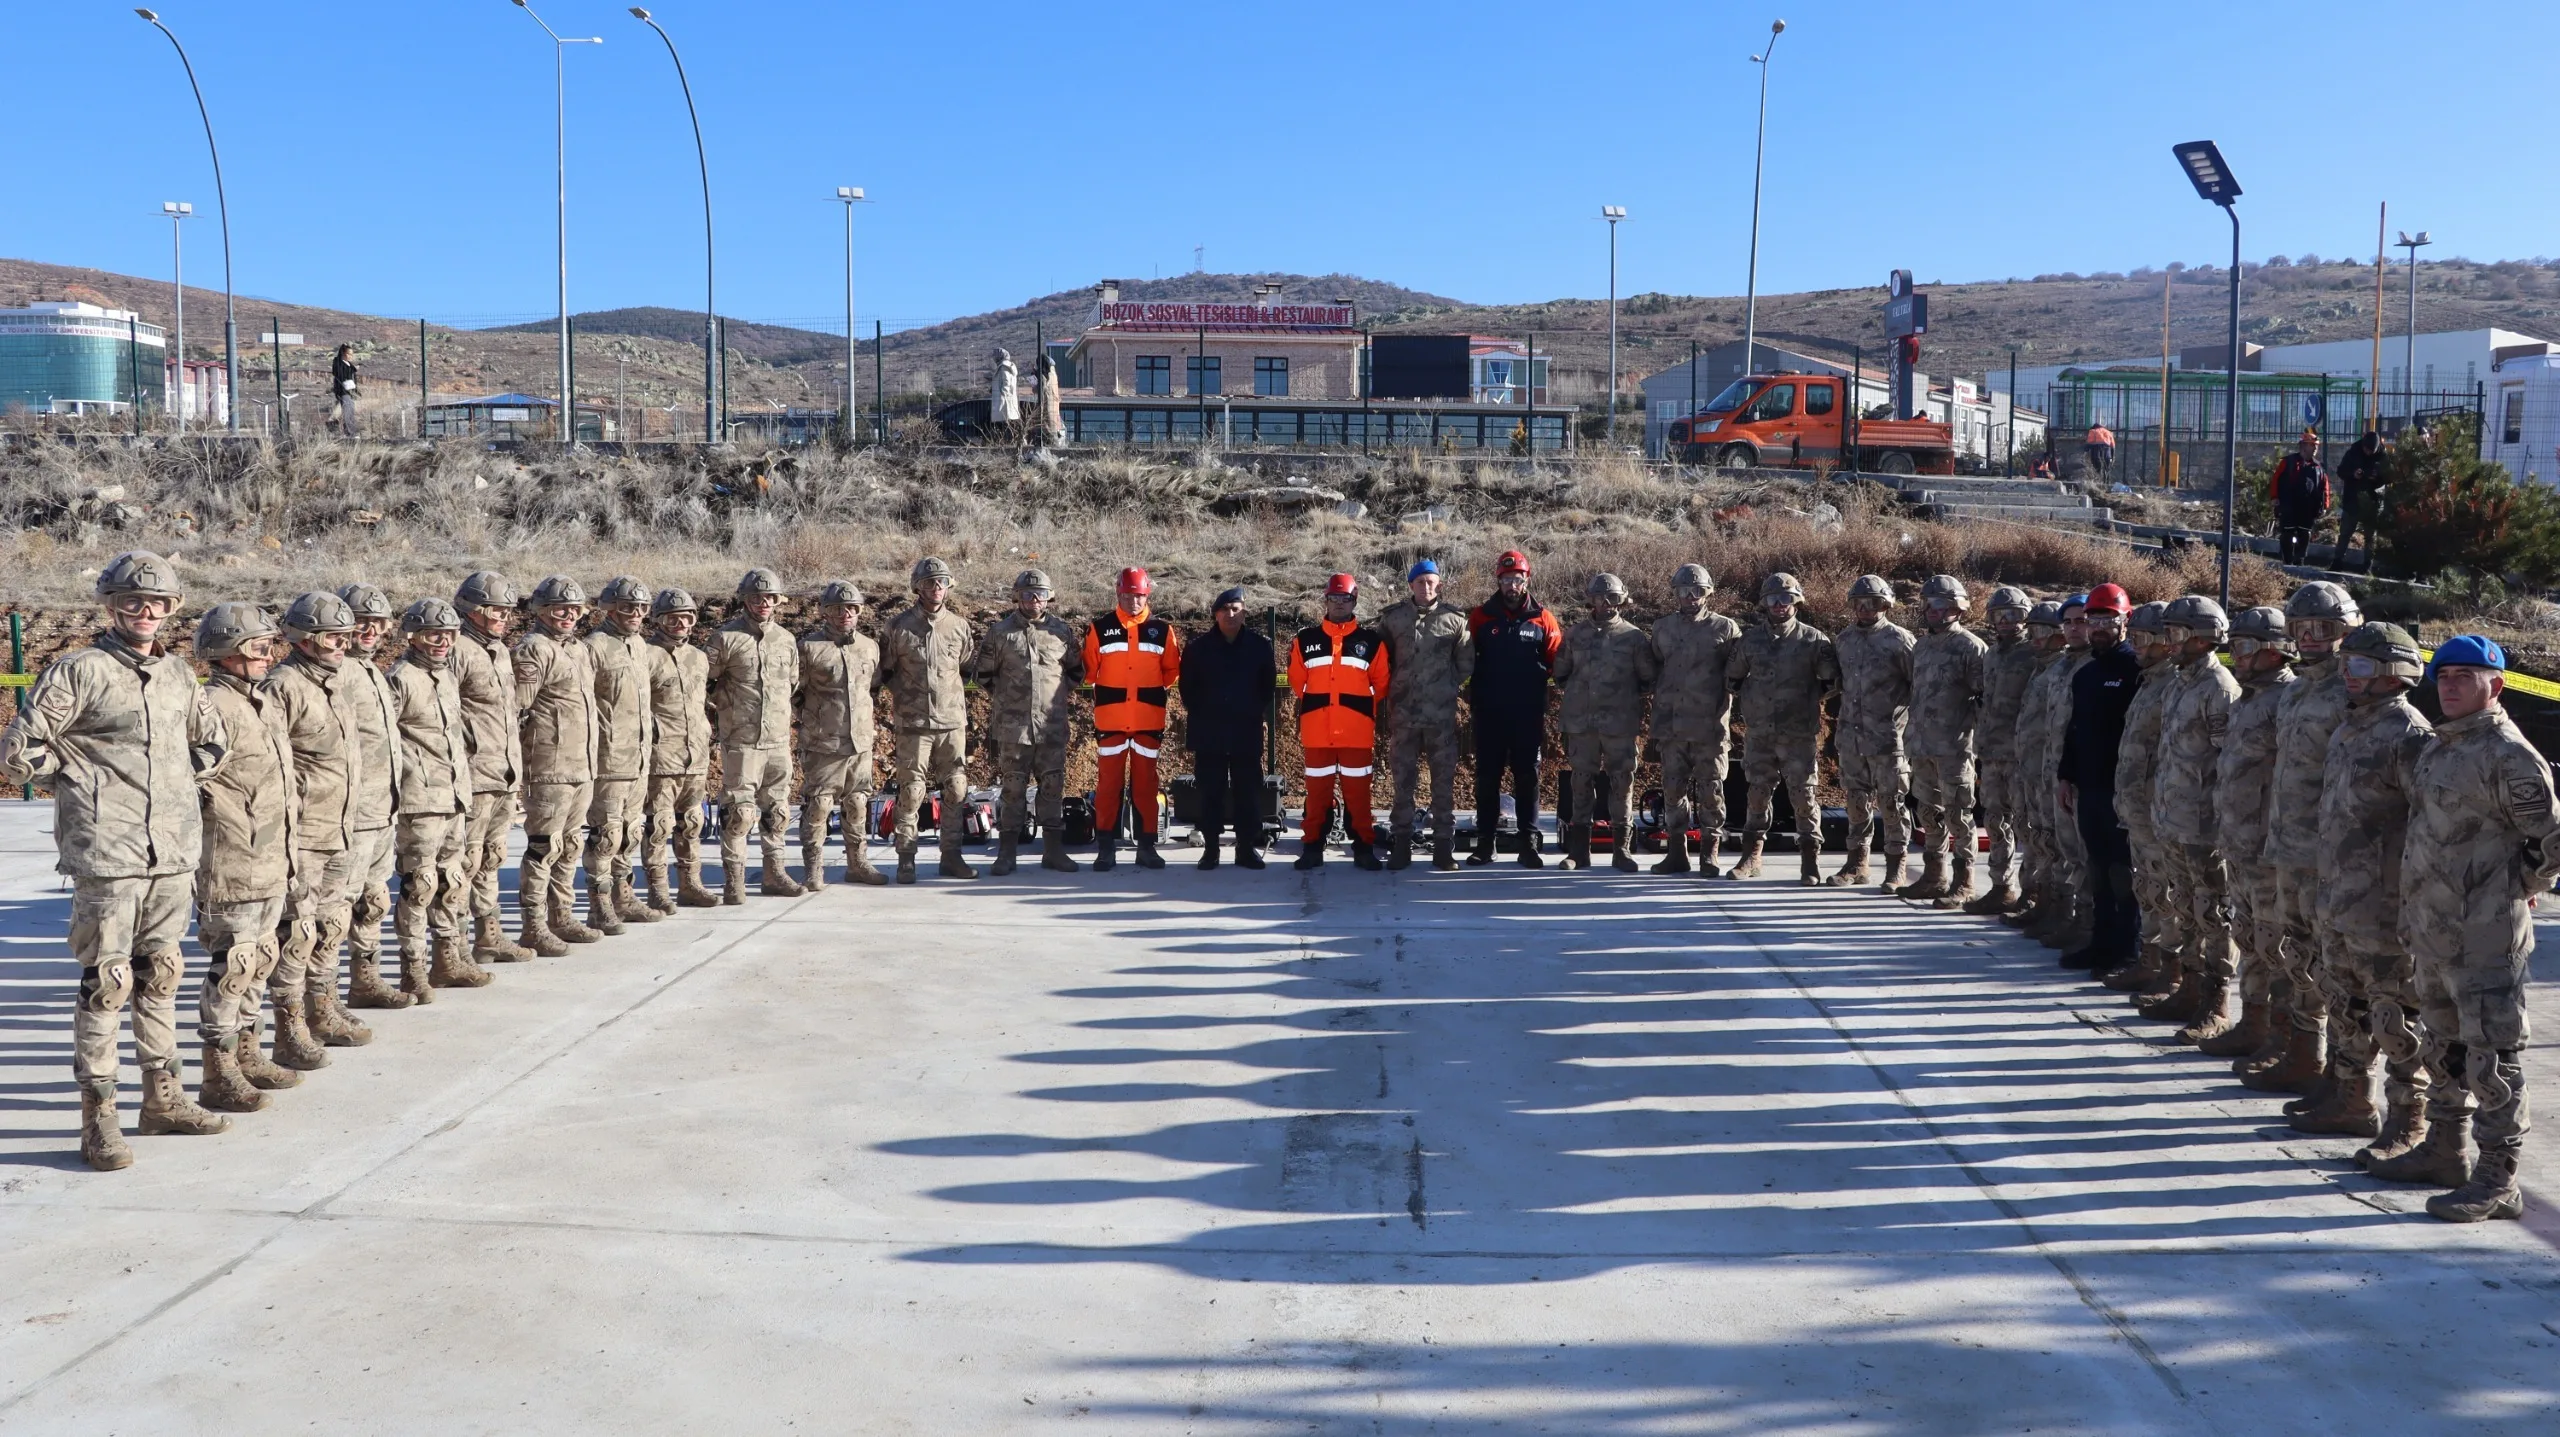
(2488, 1084)
(157, 974)
(105, 987)
(537, 847)
(2390, 1028)
(235, 968)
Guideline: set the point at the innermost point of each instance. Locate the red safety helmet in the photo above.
(1341, 584)
(1511, 562)
(1135, 581)
(2107, 599)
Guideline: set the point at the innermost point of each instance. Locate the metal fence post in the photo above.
(18, 665)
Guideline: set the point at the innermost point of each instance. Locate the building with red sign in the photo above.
(1271, 351)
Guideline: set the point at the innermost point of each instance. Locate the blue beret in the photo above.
(2468, 651)
(1420, 568)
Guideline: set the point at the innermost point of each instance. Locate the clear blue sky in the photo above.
(395, 156)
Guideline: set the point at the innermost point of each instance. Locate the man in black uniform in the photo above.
(1226, 683)
(2359, 496)
(1516, 641)
(2100, 693)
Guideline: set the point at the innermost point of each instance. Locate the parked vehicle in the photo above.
(1776, 421)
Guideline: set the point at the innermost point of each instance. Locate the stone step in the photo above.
(2083, 513)
(1934, 495)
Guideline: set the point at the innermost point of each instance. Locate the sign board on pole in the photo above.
(279, 337)
(1906, 314)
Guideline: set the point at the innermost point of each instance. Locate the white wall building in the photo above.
(2450, 361)
(2523, 419)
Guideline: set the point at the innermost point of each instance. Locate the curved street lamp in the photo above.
(2214, 182)
(230, 323)
(711, 355)
(560, 146)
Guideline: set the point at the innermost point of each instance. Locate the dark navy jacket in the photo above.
(2100, 694)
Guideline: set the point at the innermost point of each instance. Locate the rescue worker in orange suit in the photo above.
(1132, 659)
(1516, 640)
(1338, 669)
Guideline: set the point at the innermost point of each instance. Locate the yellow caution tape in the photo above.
(17, 681)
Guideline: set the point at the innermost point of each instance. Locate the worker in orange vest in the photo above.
(1132, 658)
(1338, 669)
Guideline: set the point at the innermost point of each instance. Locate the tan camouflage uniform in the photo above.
(2068, 877)
(1875, 703)
(837, 677)
(2367, 784)
(1603, 668)
(435, 820)
(679, 759)
(1779, 679)
(752, 671)
(319, 704)
(251, 809)
(2195, 718)
(625, 724)
(485, 674)
(2137, 759)
(921, 657)
(1032, 670)
(1947, 683)
(374, 841)
(1693, 722)
(556, 694)
(1430, 657)
(2242, 775)
(2008, 667)
(2307, 714)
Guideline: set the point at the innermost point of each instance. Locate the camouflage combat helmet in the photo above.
(2265, 623)
(929, 570)
(2198, 615)
(623, 589)
(756, 583)
(1033, 581)
(2047, 612)
(2148, 618)
(1693, 576)
(318, 612)
(1781, 588)
(841, 591)
(2321, 599)
(366, 601)
(485, 590)
(1945, 589)
(1871, 586)
(1606, 586)
(672, 601)
(227, 626)
(427, 615)
(2009, 596)
(2390, 644)
(558, 589)
(139, 571)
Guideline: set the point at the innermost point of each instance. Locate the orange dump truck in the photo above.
(1800, 420)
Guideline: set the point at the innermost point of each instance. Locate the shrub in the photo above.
(2457, 518)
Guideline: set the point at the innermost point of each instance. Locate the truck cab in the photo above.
(1792, 420)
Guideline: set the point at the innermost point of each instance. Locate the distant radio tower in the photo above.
(1199, 258)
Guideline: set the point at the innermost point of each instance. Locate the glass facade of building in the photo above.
(1092, 421)
(66, 358)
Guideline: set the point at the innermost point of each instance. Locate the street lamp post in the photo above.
(2213, 181)
(177, 211)
(851, 195)
(1759, 149)
(2409, 354)
(1613, 214)
(560, 148)
(222, 205)
(711, 355)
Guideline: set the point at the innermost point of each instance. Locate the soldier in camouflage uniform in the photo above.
(2261, 659)
(2317, 616)
(753, 669)
(1692, 709)
(2036, 858)
(2153, 973)
(2065, 909)
(618, 646)
(1430, 656)
(2483, 846)
(2367, 785)
(556, 705)
(2008, 666)
(1946, 708)
(126, 734)
(1780, 673)
(485, 672)
(921, 657)
(1032, 663)
(2195, 721)
(318, 695)
(839, 671)
(1604, 668)
(249, 813)
(680, 760)
(435, 805)
(1875, 701)
(376, 800)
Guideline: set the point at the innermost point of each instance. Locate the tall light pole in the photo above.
(222, 204)
(851, 195)
(560, 148)
(2213, 181)
(711, 356)
(2409, 355)
(1759, 149)
(1613, 214)
(177, 211)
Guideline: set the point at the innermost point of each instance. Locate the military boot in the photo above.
(1053, 853)
(659, 902)
(263, 1074)
(627, 902)
(1707, 847)
(365, 988)
(1147, 855)
(1106, 854)
(1444, 851)
(857, 865)
(907, 863)
(2182, 1004)
(1573, 841)
(294, 1047)
(1400, 851)
(2244, 1038)
(1533, 846)
(733, 884)
(2346, 1108)
(224, 1088)
(1675, 855)
(413, 974)
(1932, 881)
(102, 1144)
(602, 916)
(489, 941)
(1959, 894)
(1009, 848)
(954, 865)
(2404, 1123)
(565, 925)
(777, 880)
(320, 1011)
(689, 890)
(2436, 1160)
(1853, 869)
(1892, 879)
(2490, 1193)
(448, 968)
(1998, 900)
(2213, 1013)
(1809, 854)
(1619, 856)
(165, 1108)
(2025, 913)
(813, 864)
(2139, 975)
(1748, 866)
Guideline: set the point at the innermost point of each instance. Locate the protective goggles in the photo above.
(2243, 648)
(2360, 666)
(2318, 631)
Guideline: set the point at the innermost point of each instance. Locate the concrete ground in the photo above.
(1173, 1152)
